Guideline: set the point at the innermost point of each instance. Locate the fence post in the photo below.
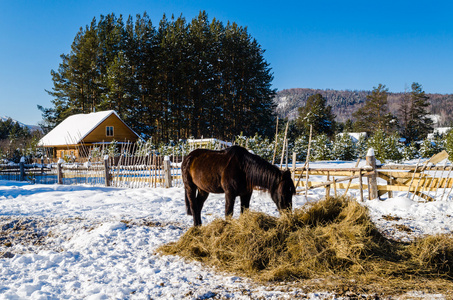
(106, 170)
(328, 186)
(294, 167)
(372, 179)
(167, 172)
(22, 169)
(361, 186)
(59, 171)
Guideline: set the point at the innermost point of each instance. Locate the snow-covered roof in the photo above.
(75, 128)
(212, 140)
(439, 130)
(355, 136)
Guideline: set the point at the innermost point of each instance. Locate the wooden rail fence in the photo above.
(428, 181)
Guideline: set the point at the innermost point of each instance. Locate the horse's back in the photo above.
(207, 168)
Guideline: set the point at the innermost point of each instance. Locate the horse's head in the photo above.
(283, 194)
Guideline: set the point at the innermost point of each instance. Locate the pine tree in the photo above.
(317, 114)
(375, 115)
(120, 84)
(301, 147)
(141, 49)
(385, 145)
(344, 148)
(430, 147)
(416, 124)
(172, 81)
(322, 148)
(410, 151)
(448, 143)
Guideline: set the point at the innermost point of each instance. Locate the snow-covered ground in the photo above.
(82, 242)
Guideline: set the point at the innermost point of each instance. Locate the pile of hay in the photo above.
(331, 237)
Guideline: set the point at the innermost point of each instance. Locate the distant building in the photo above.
(77, 133)
(438, 130)
(355, 136)
(208, 143)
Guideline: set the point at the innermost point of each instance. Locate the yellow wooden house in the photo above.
(78, 133)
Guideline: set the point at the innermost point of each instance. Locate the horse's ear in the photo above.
(286, 174)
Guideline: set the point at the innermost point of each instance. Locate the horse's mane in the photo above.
(259, 172)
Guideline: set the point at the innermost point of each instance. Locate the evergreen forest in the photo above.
(16, 140)
(177, 79)
(168, 81)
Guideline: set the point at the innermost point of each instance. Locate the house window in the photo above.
(109, 130)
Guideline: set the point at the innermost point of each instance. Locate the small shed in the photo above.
(77, 133)
(439, 131)
(355, 136)
(208, 143)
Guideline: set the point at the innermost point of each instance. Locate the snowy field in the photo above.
(82, 242)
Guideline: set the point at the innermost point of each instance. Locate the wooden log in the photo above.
(334, 188)
(412, 180)
(446, 184)
(106, 171)
(284, 144)
(323, 184)
(400, 175)
(22, 169)
(425, 182)
(349, 183)
(59, 171)
(361, 187)
(167, 172)
(339, 185)
(307, 161)
(372, 178)
(328, 186)
(341, 171)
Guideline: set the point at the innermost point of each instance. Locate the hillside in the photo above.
(344, 103)
(30, 127)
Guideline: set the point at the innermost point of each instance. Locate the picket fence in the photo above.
(131, 172)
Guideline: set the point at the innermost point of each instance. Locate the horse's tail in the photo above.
(187, 180)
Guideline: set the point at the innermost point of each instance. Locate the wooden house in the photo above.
(78, 133)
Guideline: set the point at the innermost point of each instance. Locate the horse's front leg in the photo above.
(229, 203)
(245, 201)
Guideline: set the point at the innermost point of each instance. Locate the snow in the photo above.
(100, 243)
(370, 152)
(355, 136)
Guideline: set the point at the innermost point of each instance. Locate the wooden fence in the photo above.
(132, 172)
(428, 181)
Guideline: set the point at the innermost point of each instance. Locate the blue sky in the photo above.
(345, 45)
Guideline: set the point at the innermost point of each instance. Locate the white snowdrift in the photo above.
(99, 245)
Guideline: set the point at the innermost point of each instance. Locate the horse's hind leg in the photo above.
(245, 201)
(197, 206)
(190, 194)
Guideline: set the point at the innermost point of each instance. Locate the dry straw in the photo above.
(333, 237)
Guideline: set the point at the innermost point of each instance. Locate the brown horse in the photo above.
(235, 172)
